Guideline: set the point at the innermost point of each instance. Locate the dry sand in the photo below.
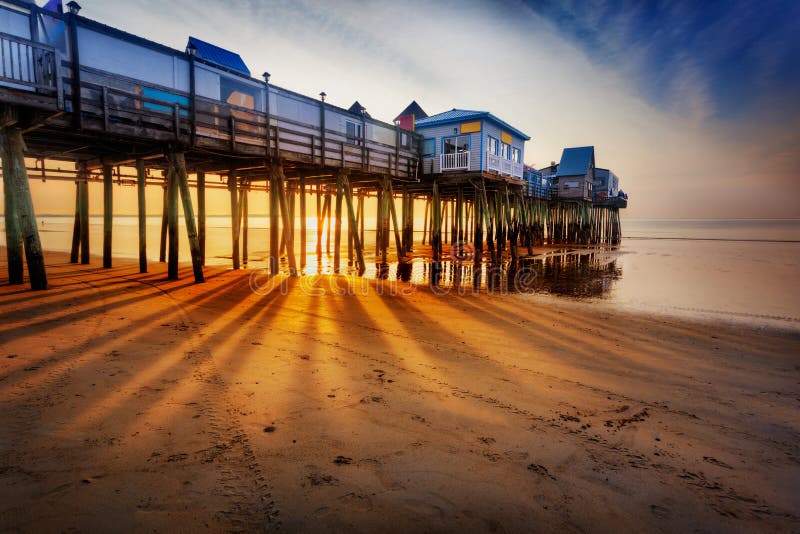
(134, 403)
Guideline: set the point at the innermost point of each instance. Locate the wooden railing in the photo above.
(454, 162)
(28, 64)
(225, 127)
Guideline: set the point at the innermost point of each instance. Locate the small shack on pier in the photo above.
(576, 173)
(462, 140)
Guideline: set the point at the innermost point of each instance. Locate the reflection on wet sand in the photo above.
(580, 273)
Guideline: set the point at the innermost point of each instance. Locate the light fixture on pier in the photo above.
(191, 49)
(74, 7)
(322, 95)
(266, 77)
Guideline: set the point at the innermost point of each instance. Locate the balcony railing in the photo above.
(503, 166)
(27, 64)
(454, 162)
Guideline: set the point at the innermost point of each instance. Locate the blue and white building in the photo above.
(462, 140)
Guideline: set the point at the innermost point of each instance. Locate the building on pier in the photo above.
(606, 185)
(465, 141)
(576, 173)
(539, 183)
(408, 117)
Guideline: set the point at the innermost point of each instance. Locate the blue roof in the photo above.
(576, 161)
(457, 115)
(219, 56)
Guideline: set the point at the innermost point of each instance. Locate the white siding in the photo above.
(431, 165)
(493, 129)
(15, 23)
(117, 56)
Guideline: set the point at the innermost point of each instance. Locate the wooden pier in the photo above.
(61, 100)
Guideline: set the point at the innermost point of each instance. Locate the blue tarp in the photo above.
(219, 56)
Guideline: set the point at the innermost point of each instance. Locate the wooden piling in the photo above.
(14, 247)
(108, 214)
(425, 221)
(285, 217)
(361, 218)
(358, 244)
(180, 175)
(392, 210)
(162, 247)
(303, 228)
(141, 180)
(83, 187)
(22, 222)
(233, 190)
(201, 215)
(244, 216)
(435, 237)
(274, 214)
(319, 223)
(477, 233)
(76, 227)
(327, 218)
(337, 243)
(172, 224)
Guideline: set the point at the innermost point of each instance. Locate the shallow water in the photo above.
(745, 271)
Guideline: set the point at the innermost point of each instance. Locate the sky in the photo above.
(694, 105)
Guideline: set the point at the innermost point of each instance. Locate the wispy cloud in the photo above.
(665, 92)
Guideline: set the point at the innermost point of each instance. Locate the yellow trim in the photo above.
(506, 138)
(471, 127)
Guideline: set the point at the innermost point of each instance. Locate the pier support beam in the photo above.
(337, 241)
(162, 246)
(108, 213)
(232, 188)
(21, 231)
(274, 224)
(398, 242)
(280, 181)
(172, 223)
(83, 188)
(76, 227)
(436, 218)
(141, 178)
(180, 175)
(352, 226)
(303, 229)
(319, 224)
(244, 194)
(201, 214)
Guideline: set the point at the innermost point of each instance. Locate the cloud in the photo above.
(640, 83)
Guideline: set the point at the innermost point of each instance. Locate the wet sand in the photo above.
(128, 402)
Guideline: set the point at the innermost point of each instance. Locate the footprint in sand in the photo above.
(659, 511)
(541, 470)
(714, 461)
(342, 460)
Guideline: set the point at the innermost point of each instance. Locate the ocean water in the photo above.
(740, 271)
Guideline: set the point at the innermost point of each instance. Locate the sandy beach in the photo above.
(130, 403)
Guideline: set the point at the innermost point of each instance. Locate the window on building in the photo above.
(354, 132)
(505, 151)
(428, 148)
(516, 155)
(455, 144)
(404, 139)
(494, 145)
